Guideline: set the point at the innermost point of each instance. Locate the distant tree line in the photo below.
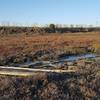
(52, 28)
(55, 29)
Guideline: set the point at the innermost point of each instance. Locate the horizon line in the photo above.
(9, 24)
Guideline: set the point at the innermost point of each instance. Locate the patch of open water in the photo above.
(72, 58)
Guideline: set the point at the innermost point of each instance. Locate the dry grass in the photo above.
(83, 85)
(26, 45)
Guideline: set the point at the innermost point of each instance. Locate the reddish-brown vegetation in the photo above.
(24, 46)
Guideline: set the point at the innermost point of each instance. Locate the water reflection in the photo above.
(77, 57)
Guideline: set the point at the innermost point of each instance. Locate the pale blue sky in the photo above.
(50, 11)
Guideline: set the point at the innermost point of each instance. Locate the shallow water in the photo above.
(77, 57)
(39, 64)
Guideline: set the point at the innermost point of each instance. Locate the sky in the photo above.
(50, 11)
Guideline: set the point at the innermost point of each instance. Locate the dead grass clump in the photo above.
(82, 85)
